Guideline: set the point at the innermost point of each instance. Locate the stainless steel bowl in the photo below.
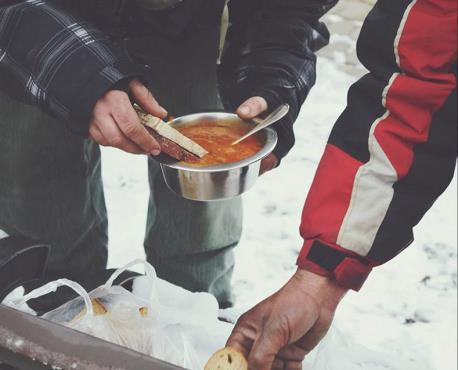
(218, 182)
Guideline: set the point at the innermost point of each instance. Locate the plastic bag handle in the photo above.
(150, 273)
(52, 287)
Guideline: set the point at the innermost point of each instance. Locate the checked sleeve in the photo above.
(51, 59)
(270, 53)
(393, 150)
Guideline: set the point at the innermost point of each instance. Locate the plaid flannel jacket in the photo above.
(55, 60)
(65, 67)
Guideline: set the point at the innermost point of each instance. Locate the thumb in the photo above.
(145, 99)
(252, 108)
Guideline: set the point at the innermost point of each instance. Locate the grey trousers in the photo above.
(51, 187)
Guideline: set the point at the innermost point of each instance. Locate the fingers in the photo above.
(262, 355)
(129, 124)
(115, 123)
(96, 135)
(317, 332)
(286, 365)
(145, 99)
(243, 335)
(292, 353)
(288, 358)
(293, 365)
(252, 108)
(268, 354)
(271, 337)
(268, 163)
(106, 132)
(280, 331)
(116, 104)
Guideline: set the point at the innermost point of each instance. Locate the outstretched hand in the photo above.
(250, 109)
(279, 332)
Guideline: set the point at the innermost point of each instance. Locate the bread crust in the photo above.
(171, 148)
(227, 359)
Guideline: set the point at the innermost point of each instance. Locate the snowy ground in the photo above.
(407, 310)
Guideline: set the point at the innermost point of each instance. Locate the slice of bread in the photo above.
(172, 149)
(165, 130)
(227, 359)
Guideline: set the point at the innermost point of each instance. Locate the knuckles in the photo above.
(115, 141)
(113, 100)
(99, 109)
(131, 129)
(257, 360)
(115, 96)
(244, 319)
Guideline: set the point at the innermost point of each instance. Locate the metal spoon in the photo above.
(275, 116)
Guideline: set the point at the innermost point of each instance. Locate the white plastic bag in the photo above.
(139, 320)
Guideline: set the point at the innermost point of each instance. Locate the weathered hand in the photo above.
(252, 108)
(279, 332)
(115, 123)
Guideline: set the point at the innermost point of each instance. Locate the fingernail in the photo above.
(156, 152)
(244, 110)
(164, 111)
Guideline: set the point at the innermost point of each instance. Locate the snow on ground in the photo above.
(405, 316)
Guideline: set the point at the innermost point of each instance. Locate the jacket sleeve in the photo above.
(270, 53)
(54, 60)
(393, 150)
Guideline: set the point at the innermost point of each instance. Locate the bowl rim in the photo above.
(269, 146)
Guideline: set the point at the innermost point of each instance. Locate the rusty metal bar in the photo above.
(25, 338)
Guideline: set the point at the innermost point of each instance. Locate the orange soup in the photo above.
(217, 140)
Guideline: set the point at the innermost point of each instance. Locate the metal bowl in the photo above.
(213, 183)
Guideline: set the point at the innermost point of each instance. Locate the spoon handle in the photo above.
(275, 116)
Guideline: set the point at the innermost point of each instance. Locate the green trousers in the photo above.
(51, 187)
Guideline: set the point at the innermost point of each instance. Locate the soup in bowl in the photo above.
(217, 139)
(228, 170)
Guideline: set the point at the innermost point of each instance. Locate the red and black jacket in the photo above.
(393, 150)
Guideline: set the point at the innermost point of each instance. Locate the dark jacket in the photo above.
(44, 45)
